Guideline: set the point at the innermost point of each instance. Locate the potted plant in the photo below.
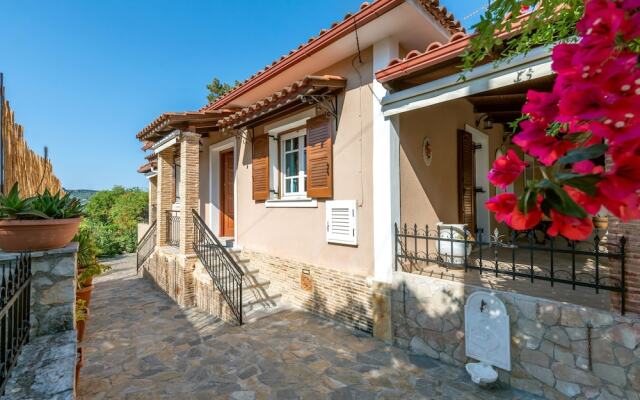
(42, 222)
(85, 277)
(82, 313)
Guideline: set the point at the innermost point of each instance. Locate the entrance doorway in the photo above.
(226, 194)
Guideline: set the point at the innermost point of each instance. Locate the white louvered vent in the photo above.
(342, 220)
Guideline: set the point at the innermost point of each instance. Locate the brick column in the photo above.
(189, 188)
(164, 196)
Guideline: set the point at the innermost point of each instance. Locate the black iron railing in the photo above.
(224, 271)
(173, 228)
(531, 255)
(146, 245)
(15, 296)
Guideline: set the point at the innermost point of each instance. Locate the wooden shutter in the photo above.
(466, 181)
(320, 157)
(260, 168)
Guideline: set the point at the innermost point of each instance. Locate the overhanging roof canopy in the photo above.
(207, 120)
(285, 99)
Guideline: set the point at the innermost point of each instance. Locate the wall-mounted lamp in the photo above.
(488, 123)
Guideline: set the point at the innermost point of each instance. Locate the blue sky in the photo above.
(84, 76)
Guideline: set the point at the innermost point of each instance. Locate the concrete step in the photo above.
(254, 282)
(252, 302)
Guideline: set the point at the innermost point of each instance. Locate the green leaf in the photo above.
(584, 153)
(585, 183)
(560, 200)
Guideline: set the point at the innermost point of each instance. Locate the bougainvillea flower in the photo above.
(573, 228)
(506, 169)
(581, 101)
(601, 23)
(630, 4)
(591, 204)
(587, 167)
(502, 205)
(626, 209)
(520, 221)
(541, 106)
(533, 139)
(562, 56)
(623, 180)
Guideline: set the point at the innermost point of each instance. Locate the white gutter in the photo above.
(166, 142)
(535, 64)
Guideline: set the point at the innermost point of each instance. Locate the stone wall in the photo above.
(207, 297)
(558, 350)
(337, 295)
(172, 272)
(53, 290)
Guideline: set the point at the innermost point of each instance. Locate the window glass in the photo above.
(294, 164)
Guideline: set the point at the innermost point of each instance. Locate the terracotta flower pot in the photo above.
(35, 235)
(80, 325)
(601, 223)
(84, 294)
(79, 360)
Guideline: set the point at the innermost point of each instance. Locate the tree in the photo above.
(217, 89)
(589, 116)
(113, 216)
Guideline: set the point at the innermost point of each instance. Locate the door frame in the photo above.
(481, 166)
(214, 185)
(222, 174)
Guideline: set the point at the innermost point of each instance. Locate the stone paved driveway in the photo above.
(140, 345)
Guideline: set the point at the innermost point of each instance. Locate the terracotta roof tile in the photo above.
(148, 167)
(440, 14)
(283, 97)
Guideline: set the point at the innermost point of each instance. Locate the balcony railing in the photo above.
(530, 255)
(15, 294)
(173, 228)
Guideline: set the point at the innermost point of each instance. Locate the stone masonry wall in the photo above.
(558, 350)
(172, 272)
(631, 231)
(207, 297)
(339, 296)
(53, 290)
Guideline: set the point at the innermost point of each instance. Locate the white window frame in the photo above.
(302, 168)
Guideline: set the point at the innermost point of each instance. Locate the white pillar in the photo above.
(386, 170)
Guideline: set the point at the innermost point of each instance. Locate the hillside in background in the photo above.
(82, 194)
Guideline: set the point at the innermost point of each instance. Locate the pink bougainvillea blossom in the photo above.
(573, 228)
(592, 114)
(506, 169)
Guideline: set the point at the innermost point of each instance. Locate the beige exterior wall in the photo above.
(429, 194)
(298, 234)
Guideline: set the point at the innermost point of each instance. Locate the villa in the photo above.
(348, 178)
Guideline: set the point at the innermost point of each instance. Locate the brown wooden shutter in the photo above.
(320, 157)
(260, 168)
(466, 181)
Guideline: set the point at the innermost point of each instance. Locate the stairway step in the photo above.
(270, 300)
(257, 282)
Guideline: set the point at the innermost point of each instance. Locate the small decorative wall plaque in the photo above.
(427, 151)
(305, 281)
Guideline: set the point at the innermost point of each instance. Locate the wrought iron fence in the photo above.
(173, 228)
(531, 255)
(146, 245)
(15, 296)
(224, 271)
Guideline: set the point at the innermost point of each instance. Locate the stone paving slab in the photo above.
(141, 345)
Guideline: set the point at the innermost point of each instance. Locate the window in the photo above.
(176, 175)
(294, 164)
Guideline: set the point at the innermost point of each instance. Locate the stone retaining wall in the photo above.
(173, 273)
(53, 290)
(558, 350)
(337, 295)
(207, 297)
